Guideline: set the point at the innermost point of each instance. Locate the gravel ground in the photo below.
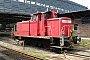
(9, 55)
(12, 44)
(27, 48)
(4, 56)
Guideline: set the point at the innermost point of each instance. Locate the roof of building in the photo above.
(15, 17)
(77, 14)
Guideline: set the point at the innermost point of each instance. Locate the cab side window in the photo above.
(75, 27)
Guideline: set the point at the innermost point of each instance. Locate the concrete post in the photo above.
(23, 45)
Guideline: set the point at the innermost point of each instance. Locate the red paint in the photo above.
(44, 25)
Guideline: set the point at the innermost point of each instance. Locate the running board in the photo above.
(58, 47)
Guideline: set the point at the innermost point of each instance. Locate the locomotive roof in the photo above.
(59, 18)
(43, 12)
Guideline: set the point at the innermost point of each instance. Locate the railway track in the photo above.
(9, 43)
(78, 53)
(23, 54)
(10, 55)
(73, 52)
(16, 51)
(70, 52)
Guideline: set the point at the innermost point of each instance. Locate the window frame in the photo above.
(75, 27)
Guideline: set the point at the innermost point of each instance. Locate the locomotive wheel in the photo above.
(37, 42)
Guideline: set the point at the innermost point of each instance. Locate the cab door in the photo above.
(41, 25)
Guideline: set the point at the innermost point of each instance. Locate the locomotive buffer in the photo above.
(62, 40)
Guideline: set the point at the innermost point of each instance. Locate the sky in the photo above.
(83, 2)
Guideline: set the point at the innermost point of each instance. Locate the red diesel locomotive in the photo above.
(46, 29)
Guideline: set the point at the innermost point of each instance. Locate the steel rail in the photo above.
(78, 54)
(24, 54)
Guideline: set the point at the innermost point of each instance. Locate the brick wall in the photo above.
(84, 29)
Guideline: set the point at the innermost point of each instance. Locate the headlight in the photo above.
(77, 37)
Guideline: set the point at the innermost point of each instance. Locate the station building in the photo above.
(81, 22)
(79, 14)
